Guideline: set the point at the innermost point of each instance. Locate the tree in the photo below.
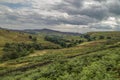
(30, 37)
(34, 39)
(101, 37)
(86, 36)
(108, 37)
(80, 41)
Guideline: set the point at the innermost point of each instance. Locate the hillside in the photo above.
(18, 36)
(95, 59)
(7, 36)
(105, 35)
(12, 36)
(85, 61)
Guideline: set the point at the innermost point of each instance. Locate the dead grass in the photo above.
(12, 65)
(38, 53)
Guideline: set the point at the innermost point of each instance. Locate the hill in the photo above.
(57, 37)
(82, 62)
(50, 32)
(12, 36)
(18, 37)
(96, 58)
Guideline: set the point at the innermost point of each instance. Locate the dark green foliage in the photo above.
(86, 36)
(101, 37)
(108, 37)
(62, 42)
(100, 65)
(34, 39)
(15, 50)
(104, 35)
(30, 37)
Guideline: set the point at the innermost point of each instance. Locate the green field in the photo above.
(96, 58)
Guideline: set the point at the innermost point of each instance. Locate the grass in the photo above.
(12, 36)
(96, 66)
(95, 60)
(46, 55)
(39, 55)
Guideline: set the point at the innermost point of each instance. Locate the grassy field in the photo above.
(13, 36)
(91, 63)
(93, 60)
(7, 36)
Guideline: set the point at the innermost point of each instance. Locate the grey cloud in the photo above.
(75, 3)
(114, 7)
(50, 20)
(98, 12)
(117, 28)
(70, 6)
(73, 20)
(77, 13)
(101, 0)
(95, 12)
(101, 26)
(78, 20)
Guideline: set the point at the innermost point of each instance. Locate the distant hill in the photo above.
(12, 36)
(44, 32)
(49, 32)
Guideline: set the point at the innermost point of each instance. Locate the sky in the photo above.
(63, 15)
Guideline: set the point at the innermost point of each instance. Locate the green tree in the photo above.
(34, 39)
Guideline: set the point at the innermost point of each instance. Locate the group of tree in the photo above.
(34, 39)
(62, 42)
(16, 50)
(92, 38)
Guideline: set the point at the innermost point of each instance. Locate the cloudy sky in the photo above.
(63, 15)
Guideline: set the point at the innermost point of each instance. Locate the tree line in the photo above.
(65, 43)
(16, 50)
(92, 38)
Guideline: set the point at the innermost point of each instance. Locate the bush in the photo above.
(15, 50)
(62, 42)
